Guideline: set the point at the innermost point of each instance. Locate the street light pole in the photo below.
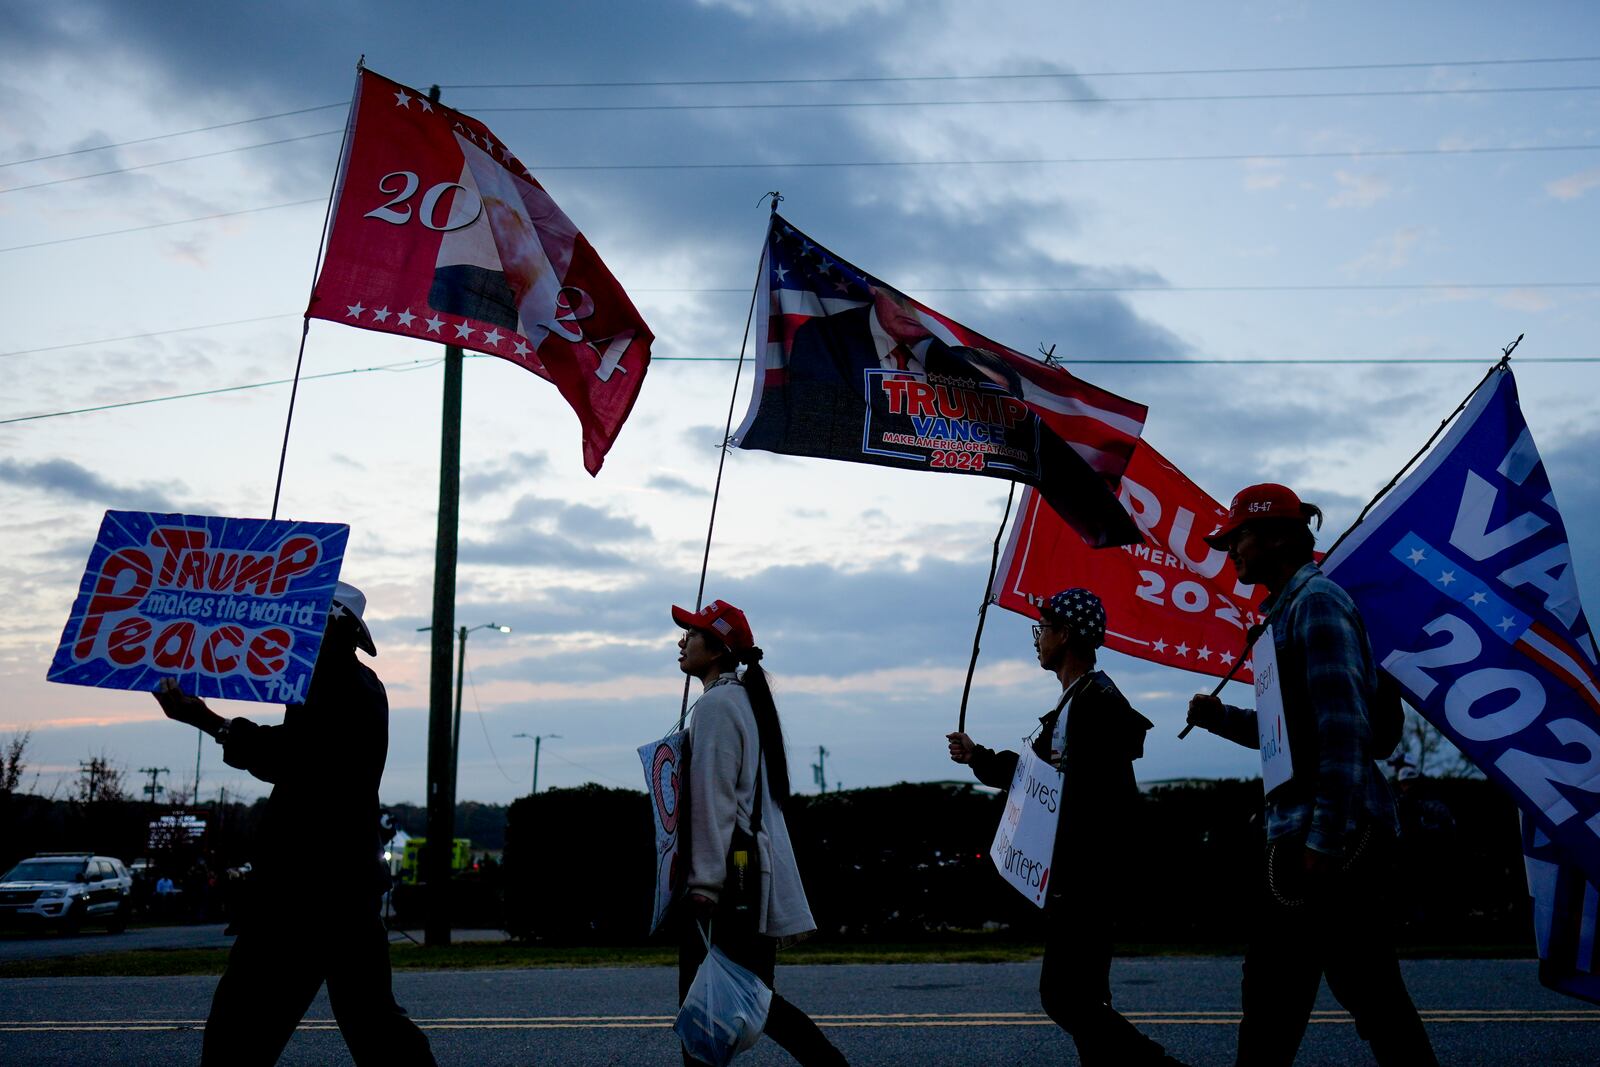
(436, 858)
(537, 738)
(461, 675)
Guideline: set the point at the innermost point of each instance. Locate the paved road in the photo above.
(951, 1015)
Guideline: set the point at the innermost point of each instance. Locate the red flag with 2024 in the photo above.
(440, 233)
(1172, 600)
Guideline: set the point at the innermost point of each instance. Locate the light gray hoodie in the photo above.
(723, 747)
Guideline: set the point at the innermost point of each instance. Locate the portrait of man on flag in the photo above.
(440, 232)
(853, 369)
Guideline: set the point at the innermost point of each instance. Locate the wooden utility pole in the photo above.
(436, 854)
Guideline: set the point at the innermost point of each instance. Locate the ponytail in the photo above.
(757, 689)
(768, 728)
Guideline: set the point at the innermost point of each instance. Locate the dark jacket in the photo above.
(1099, 795)
(318, 838)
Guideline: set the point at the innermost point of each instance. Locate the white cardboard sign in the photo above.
(1276, 765)
(1026, 837)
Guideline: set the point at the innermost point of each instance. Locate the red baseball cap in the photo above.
(721, 618)
(1269, 500)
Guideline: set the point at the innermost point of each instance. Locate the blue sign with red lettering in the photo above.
(232, 608)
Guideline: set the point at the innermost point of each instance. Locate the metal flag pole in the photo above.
(994, 565)
(983, 611)
(1255, 631)
(727, 434)
(305, 322)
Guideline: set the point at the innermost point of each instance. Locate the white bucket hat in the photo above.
(348, 600)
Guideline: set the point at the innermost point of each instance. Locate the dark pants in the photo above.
(790, 1027)
(275, 969)
(1075, 985)
(1340, 931)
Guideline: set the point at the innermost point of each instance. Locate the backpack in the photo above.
(1386, 715)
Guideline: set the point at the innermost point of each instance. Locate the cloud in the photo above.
(1358, 190)
(1390, 252)
(1530, 300)
(1574, 185)
(1263, 174)
(545, 532)
(671, 483)
(505, 472)
(599, 524)
(66, 478)
(534, 548)
(818, 14)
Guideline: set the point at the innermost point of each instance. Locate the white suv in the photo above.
(66, 889)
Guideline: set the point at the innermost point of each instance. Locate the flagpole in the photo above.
(305, 325)
(1254, 633)
(983, 611)
(727, 433)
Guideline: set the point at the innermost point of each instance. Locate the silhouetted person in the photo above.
(317, 877)
(743, 882)
(1093, 735)
(1331, 825)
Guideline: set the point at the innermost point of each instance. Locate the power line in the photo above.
(969, 289)
(1272, 361)
(1358, 153)
(166, 162)
(415, 364)
(1337, 288)
(857, 80)
(178, 133)
(151, 333)
(861, 79)
(160, 225)
(482, 725)
(591, 770)
(794, 105)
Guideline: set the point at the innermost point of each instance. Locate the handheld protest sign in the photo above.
(663, 762)
(1277, 766)
(1026, 837)
(232, 608)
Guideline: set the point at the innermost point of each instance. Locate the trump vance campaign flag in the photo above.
(1465, 582)
(853, 369)
(1173, 599)
(439, 232)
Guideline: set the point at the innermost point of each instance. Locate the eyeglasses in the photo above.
(1040, 628)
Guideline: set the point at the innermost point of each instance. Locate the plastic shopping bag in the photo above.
(725, 1011)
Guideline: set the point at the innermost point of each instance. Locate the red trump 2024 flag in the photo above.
(1172, 600)
(853, 369)
(440, 233)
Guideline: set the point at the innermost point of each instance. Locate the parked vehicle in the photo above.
(67, 889)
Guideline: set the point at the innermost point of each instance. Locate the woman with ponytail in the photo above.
(742, 883)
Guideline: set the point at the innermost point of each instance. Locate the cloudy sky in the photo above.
(1185, 201)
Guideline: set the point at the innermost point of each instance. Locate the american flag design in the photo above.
(853, 369)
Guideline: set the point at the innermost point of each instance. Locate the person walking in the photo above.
(742, 884)
(1330, 827)
(1093, 736)
(321, 825)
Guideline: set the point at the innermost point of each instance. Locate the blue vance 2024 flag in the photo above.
(1465, 581)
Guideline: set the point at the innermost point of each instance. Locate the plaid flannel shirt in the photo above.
(1318, 630)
